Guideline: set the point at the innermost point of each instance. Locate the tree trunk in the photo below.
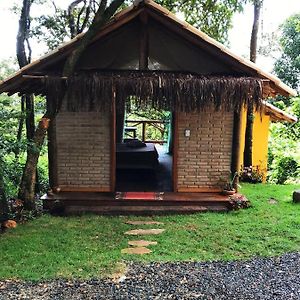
(30, 126)
(20, 129)
(26, 191)
(249, 137)
(27, 186)
(250, 111)
(23, 33)
(24, 58)
(255, 26)
(30, 130)
(102, 15)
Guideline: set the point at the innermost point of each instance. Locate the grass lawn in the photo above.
(89, 246)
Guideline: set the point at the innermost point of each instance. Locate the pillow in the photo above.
(135, 143)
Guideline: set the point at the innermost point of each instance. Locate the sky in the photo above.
(274, 13)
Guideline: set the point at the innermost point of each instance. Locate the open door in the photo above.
(144, 154)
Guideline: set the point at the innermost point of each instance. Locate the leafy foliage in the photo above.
(10, 164)
(284, 142)
(153, 133)
(7, 68)
(287, 67)
(51, 29)
(212, 17)
(63, 24)
(284, 145)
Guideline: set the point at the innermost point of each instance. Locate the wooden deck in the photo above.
(70, 203)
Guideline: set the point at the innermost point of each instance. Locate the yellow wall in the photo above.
(260, 140)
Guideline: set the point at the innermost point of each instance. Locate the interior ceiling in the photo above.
(167, 52)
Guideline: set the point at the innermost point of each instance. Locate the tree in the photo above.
(54, 29)
(7, 68)
(102, 16)
(284, 142)
(24, 58)
(214, 17)
(257, 4)
(287, 67)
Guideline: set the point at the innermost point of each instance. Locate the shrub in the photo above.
(284, 168)
(251, 174)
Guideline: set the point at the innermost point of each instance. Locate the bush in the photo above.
(284, 145)
(284, 169)
(251, 174)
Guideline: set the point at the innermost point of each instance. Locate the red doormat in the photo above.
(139, 196)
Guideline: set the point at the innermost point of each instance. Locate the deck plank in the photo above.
(106, 203)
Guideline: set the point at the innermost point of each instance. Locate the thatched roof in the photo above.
(93, 91)
(45, 65)
(278, 115)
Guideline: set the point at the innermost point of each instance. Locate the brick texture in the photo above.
(205, 156)
(83, 150)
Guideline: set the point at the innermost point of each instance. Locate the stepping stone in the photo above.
(143, 223)
(144, 231)
(296, 196)
(141, 243)
(136, 250)
(273, 201)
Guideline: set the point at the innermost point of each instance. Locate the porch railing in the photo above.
(141, 129)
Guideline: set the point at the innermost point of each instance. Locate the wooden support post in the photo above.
(236, 144)
(144, 131)
(113, 143)
(52, 155)
(144, 42)
(175, 151)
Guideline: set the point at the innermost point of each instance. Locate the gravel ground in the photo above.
(260, 278)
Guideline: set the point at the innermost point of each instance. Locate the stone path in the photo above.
(136, 250)
(140, 246)
(141, 243)
(144, 231)
(143, 223)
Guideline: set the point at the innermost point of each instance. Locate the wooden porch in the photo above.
(74, 203)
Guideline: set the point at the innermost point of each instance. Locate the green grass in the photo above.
(89, 246)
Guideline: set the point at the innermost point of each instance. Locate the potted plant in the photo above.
(228, 186)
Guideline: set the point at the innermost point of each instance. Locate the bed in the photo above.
(136, 158)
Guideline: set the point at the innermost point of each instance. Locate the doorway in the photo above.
(144, 150)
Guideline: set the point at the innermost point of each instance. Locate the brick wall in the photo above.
(205, 156)
(83, 150)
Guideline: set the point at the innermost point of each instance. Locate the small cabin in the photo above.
(146, 59)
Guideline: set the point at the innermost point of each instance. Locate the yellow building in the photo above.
(261, 126)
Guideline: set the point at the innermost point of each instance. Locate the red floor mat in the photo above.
(139, 196)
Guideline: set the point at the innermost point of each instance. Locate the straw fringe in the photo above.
(92, 91)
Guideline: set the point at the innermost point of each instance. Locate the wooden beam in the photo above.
(83, 189)
(41, 77)
(175, 151)
(113, 143)
(236, 144)
(52, 155)
(144, 41)
(199, 190)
